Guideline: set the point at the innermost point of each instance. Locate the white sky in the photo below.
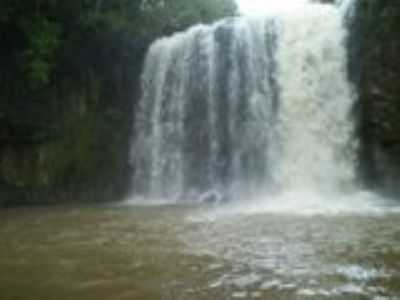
(261, 7)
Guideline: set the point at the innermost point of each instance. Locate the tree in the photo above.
(45, 37)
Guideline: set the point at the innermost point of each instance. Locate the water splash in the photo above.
(302, 204)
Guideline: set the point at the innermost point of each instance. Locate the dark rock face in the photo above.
(380, 93)
(71, 144)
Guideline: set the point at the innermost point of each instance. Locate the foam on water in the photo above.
(303, 204)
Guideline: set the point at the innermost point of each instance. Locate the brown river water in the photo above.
(132, 252)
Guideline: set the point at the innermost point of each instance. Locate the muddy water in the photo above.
(171, 253)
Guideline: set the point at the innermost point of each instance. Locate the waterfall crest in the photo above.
(247, 106)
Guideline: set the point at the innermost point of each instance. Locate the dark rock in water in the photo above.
(213, 197)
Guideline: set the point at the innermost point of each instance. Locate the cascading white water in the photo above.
(315, 127)
(346, 7)
(247, 106)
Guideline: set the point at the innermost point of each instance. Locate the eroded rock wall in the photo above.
(379, 87)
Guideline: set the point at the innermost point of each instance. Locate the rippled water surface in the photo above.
(171, 252)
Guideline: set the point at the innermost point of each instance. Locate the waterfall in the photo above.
(347, 7)
(247, 106)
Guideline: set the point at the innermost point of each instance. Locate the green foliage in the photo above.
(39, 57)
(50, 36)
(70, 69)
(172, 15)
